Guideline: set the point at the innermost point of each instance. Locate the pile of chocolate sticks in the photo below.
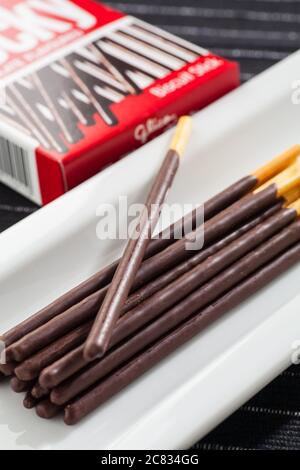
(251, 236)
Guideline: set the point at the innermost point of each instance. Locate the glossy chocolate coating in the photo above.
(201, 297)
(215, 229)
(47, 410)
(195, 274)
(96, 396)
(104, 276)
(19, 386)
(134, 253)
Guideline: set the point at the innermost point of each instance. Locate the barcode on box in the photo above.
(18, 165)
(14, 164)
(18, 168)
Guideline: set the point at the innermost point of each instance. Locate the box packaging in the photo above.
(82, 85)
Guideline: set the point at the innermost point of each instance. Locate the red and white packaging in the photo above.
(82, 84)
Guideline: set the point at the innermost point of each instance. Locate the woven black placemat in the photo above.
(257, 34)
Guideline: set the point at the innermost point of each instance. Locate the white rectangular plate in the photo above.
(193, 390)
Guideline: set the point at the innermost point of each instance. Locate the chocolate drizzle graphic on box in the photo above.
(56, 103)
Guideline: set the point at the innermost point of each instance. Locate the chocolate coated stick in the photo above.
(171, 319)
(47, 410)
(29, 401)
(216, 228)
(216, 286)
(7, 369)
(72, 362)
(118, 291)
(212, 207)
(20, 386)
(106, 389)
(135, 250)
(39, 392)
(30, 368)
(199, 271)
(103, 277)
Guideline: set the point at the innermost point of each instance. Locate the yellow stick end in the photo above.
(291, 196)
(285, 186)
(296, 206)
(278, 164)
(280, 177)
(182, 135)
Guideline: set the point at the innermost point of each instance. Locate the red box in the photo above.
(82, 85)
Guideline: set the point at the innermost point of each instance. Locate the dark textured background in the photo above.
(257, 34)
